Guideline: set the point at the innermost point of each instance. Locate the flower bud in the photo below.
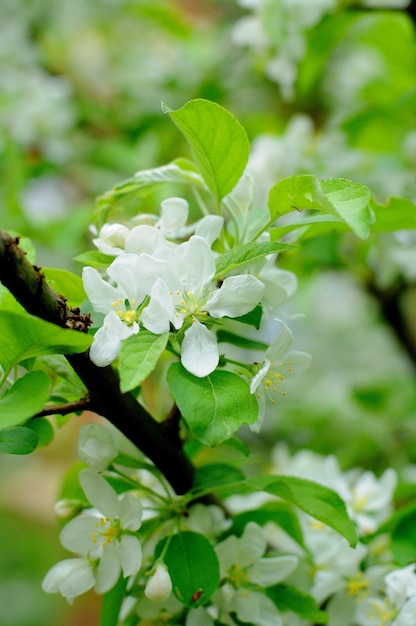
(159, 585)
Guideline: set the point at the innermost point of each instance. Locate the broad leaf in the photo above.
(243, 255)
(24, 399)
(397, 214)
(24, 336)
(138, 357)
(18, 440)
(94, 258)
(111, 604)
(314, 499)
(214, 475)
(337, 196)
(193, 567)
(218, 141)
(215, 406)
(66, 283)
(288, 598)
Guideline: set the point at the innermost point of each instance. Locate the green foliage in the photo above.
(18, 440)
(111, 604)
(215, 406)
(138, 357)
(244, 255)
(291, 599)
(26, 397)
(193, 567)
(218, 141)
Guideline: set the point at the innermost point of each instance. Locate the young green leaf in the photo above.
(288, 598)
(24, 336)
(243, 255)
(67, 283)
(218, 141)
(338, 197)
(24, 399)
(138, 357)
(314, 499)
(212, 475)
(193, 567)
(215, 406)
(18, 440)
(396, 214)
(111, 604)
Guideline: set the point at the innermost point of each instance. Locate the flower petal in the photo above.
(199, 351)
(144, 238)
(129, 512)
(196, 263)
(238, 295)
(174, 213)
(160, 311)
(76, 535)
(270, 571)
(125, 271)
(107, 340)
(70, 577)
(108, 570)
(99, 493)
(129, 553)
(100, 293)
(209, 228)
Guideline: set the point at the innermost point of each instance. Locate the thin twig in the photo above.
(83, 404)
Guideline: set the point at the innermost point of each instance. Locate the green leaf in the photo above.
(66, 283)
(24, 399)
(193, 567)
(224, 336)
(337, 196)
(288, 598)
(243, 255)
(215, 406)
(314, 499)
(212, 475)
(138, 357)
(113, 202)
(18, 440)
(397, 214)
(43, 429)
(218, 141)
(280, 513)
(111, 603)
(403, 538)
(94, 258)
(24, 336)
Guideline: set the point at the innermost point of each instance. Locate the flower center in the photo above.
(274, 378)
(125, 312)
(189, 302)
(238, 577)
(381, 611)
(106, 531)
(357, 586)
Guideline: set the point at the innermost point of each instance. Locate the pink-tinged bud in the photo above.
(159, 585)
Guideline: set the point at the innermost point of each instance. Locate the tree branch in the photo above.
(83, 404)
(28, 285)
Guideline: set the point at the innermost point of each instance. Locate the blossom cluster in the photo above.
(358, 586)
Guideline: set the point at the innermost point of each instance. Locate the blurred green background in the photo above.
(325, 87)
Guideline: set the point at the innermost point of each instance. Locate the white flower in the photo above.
(398, 607)
(70, 578)
(278, 365)
(111, 239)
(135, 277)
(244, 571)
(96, 446)
(195, 296)
(103, 534)
(159, 585)
(370, 501)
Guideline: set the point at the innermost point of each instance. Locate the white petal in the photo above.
(76, 535)
(96, 446)
(71, 578)
(108, 570)
(280, 344)
(144, 238)
(160, 311)
(129, 553)
(107, 340)
(99, 492)
(196, 263)
(238, 295)
(256, 380)
(174, 214)
(199, 351)
(100, 293)
(125, 271)
(270, 571)
(209, 228)
(129, 512)
(159, 585)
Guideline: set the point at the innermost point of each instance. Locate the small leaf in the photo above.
(224, 336)
(288, 598)
(43, 429)
(18, 440)
(139, 355)
(24, 399)
(215, 406)
(338, 197)
(314, 499)
(94, 258)
(25, 336)
(66, 283)
(218, 141)
(403, 538)
(193, 567)
(213, 475)
(397, 214)
(243, 255)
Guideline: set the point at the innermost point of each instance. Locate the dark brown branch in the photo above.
(83, 404)
(28, 285)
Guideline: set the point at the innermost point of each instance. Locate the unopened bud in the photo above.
(159, 585)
